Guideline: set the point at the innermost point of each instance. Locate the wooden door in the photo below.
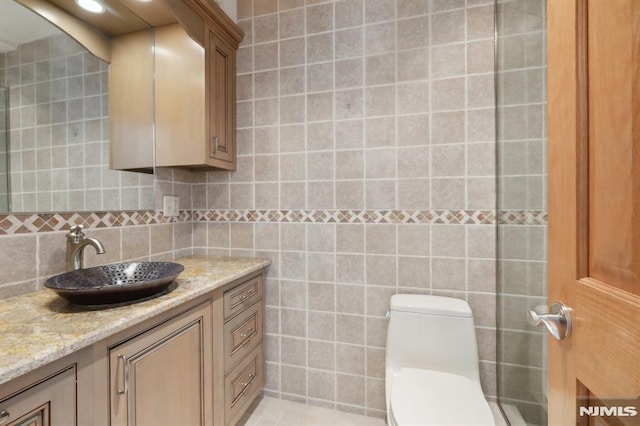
(163, 376)
(594, 207)
(221, 101)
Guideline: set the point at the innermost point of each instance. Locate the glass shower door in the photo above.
(522, 208)
(4, 150)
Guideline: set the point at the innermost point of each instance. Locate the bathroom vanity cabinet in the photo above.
(198, 363)
(179, 78)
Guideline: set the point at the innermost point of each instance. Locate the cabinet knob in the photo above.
(4, 416)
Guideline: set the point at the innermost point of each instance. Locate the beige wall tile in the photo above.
(292, 23)
(380, 38)
(350, 359)
(321, 296)
(448, 27)
(381, 270)
(292, 80)
(265, 28)
(413, 33)
(51, 254)
(293, 236)
(320, 267)
(293, 351)
(319, 18)
(293, 380)
(322, 325)
(320, 48)
(350, 329)
(135, 241)
(413, 64)
(350, 238)
(349, 42)
(320, 136)
(322, 385)
(350, 268)
(348, 13)
(350, 299)
(322, 355)
(448, 241)
(449, 274)
(409, 8)
(320, 77)
(414, 272)
(381, 132)
(262, 7)
(351, 389)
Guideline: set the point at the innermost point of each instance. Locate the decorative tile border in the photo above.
(475, 217)
(29, 223)
(47, 222)
(529, 217)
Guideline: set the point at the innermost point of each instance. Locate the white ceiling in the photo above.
(19, 25)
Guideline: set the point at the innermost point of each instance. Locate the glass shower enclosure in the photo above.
(521, 207)
(4, 150)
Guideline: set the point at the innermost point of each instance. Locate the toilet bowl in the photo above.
(432, 375)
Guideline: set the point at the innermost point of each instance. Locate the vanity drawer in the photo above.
(242, 334)
(241, 297)
(243, 384)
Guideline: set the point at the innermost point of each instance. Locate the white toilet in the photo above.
(432, 375)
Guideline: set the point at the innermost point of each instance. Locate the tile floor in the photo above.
(267, 411)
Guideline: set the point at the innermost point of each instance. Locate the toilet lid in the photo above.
(425, 397)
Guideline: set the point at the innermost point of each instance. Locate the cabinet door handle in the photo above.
(125, 374)
(4, 416)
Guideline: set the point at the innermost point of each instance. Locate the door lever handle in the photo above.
(557, 321)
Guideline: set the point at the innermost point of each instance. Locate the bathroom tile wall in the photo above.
(59, 132)
(36, 255)
(365, 107)
(522, 186)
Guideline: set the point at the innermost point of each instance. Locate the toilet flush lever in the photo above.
(558, 321)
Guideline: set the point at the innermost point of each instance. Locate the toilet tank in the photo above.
(431, 332)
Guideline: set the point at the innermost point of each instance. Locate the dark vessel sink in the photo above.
(115, 283)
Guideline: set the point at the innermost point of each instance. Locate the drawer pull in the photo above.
(246, 386)
(125, 374)
(4, 416)
(247, 294)
(248, 382)
(247, 333)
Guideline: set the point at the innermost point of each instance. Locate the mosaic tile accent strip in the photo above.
(467, 217)
(532, 217)
(48, 222)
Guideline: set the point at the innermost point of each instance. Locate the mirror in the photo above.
(54, 124)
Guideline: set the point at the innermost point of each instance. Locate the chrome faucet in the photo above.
(76, 243)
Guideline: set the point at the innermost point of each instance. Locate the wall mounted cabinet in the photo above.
(189, 113)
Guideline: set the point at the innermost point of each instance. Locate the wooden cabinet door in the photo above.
(49, 403)
(221, 101)
(164, 376)
(594, 207)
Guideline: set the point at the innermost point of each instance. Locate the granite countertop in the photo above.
(40, 327)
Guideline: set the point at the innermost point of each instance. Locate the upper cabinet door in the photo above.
(221, 114)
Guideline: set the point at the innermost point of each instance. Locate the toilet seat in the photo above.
(426, 397)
